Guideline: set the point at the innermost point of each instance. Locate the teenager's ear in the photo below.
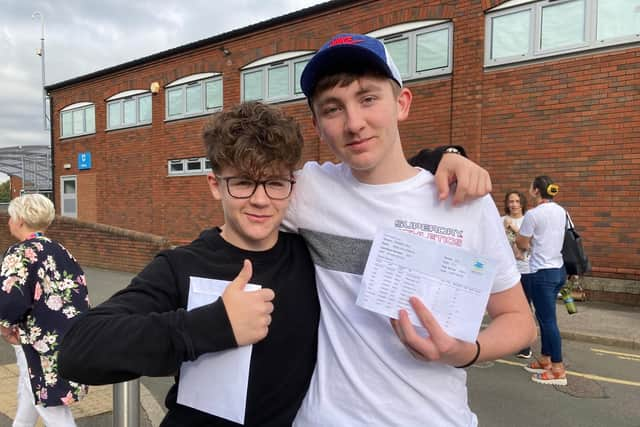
(404, 103)
(214, 186)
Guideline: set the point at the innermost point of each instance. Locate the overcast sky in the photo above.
(84, 36)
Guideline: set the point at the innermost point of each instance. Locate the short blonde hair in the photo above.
(35, 210)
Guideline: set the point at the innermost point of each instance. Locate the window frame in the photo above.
(535, 52)
(77, 107)
(265, 65)
(185, 162)
(68, 196)
(181, 86)
(120, 100)
(411, 32)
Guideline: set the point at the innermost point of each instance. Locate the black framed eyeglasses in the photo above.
(243, 188)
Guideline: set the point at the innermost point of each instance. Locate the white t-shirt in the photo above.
(545, 225)
(364, 375)
(522, 264)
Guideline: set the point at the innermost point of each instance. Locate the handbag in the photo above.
(575, 259)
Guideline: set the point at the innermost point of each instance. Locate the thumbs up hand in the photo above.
(248, 312)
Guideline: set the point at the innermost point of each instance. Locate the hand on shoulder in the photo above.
(472, 181)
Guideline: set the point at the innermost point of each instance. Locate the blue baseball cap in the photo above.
(348, 52)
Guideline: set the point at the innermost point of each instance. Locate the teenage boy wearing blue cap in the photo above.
(365, 375)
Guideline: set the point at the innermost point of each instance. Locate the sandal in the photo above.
(550, 377)
(536, 367)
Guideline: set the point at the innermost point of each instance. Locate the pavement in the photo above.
(595, 322)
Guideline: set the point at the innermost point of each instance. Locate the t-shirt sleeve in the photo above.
(290, 223)
(528, 223)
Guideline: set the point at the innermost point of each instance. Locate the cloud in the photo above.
(82, 37)
(6, 40)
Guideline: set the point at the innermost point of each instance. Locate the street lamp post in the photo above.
(40, 53)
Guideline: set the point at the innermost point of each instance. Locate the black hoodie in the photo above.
(145, 328)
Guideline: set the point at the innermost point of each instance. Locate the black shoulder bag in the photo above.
(575, 259)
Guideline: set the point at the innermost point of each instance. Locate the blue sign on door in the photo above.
(84, 160)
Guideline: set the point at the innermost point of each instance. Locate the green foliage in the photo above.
(5, 192)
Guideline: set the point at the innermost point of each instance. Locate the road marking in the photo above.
(628, 356)
(580, 374)
(633, 359)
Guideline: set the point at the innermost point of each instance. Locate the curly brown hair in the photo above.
(257, 140)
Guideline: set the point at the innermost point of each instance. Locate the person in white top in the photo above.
(515, 206)
(542, 232)
(365, 375)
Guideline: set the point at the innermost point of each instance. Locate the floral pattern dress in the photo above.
(43, 290)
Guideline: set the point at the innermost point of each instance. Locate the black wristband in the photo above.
(474, 357)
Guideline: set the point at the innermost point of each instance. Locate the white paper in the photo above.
(453, 283)
(215, 383)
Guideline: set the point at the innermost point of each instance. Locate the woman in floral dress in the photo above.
(42, 291)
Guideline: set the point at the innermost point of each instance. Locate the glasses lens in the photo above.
(278, 188)
(241, 187)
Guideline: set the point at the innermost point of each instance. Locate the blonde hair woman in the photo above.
(42, 291)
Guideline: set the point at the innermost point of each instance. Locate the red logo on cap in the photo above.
(344, 40)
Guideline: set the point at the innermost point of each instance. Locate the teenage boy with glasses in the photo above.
(144, 329)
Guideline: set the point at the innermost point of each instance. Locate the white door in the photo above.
(68, 196)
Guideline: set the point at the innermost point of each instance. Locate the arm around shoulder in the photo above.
(429, 158)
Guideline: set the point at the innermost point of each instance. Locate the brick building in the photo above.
(524, 95)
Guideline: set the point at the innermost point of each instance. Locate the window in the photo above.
(252, 85)
(194, 96)
(511, 34)
(129, 108)
(193, 166)
(419, 49)
(78, 119)
(521, 32)
(618, 19)
(275, 78)
(68, 196)
(556, 31)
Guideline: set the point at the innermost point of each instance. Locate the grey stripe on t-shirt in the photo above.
(337, 253)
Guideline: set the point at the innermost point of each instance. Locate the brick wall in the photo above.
(16, 186)
(574, 118)
(86, 188)
(578, 121)
(97, 245)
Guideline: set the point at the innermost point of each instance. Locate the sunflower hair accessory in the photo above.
(552, 189)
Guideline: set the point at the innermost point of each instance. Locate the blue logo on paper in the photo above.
(478, 266)
(84, 160)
